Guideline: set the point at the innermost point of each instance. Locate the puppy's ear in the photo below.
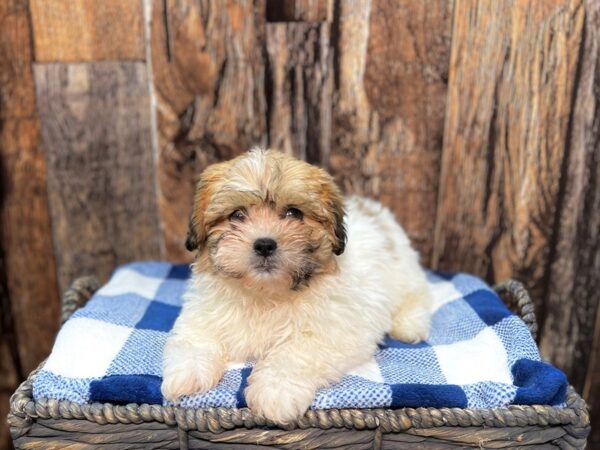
(333, 201)
(340, 229)
(191, 241)
(197, 232)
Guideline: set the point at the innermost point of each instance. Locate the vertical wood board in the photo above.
(504, 146)
(571, 331)
(572, 291)
(26, 238)
(96, 130)
(87, 30)
(217, 54)
(299, 10)
(390, 91)
(300, 84)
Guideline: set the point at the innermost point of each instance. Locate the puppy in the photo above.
(275, 282)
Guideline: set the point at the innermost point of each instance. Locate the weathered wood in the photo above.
(182, 67)
(27, 241)
(572, 289)
(17, 96)
(300, 83)
(87, 30)
(28, 279)
(96, 131)
(299, 10)
(572, 326)
(26, 238)
(391, 70)
(217, 55)
(504, 145)
(5, 438)
(9, 361)
(591, 389)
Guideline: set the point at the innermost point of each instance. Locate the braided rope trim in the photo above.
(24, 410)
(77, 295)
(517, 298)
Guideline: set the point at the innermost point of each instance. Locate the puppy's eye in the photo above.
(237, 215)
(293, 213)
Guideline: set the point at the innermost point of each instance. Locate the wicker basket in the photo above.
(48, 423)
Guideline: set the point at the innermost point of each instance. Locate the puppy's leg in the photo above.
(412, 319)
(283, 385)
(190, 365)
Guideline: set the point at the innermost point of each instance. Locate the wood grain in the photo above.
(17, 95)
(299, 10)
(572, 289)
(9, 359)
(96, 131)
(390, 92)
(28, 278)
(573, 284)
(26, 238)
(216, 110)
(300, 85)
(591, 388)
(504, 146)
(87, 30)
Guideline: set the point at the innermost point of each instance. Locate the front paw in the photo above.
(282, 400)
(411, 330)
(188, 370)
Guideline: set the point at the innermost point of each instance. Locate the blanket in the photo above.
(478, 355)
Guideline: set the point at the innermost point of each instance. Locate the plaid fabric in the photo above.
(478, 354)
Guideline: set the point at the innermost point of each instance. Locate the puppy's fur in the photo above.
(308, 313)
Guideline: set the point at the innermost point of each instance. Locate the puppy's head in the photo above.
(267, 220)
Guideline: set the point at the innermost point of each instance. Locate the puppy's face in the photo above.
(267, 221)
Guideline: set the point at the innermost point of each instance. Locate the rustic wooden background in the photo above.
(476, 121)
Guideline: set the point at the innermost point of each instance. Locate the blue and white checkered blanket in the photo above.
(478, 354)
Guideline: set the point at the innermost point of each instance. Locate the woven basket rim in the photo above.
(24, 410)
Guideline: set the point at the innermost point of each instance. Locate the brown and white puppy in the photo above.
(275, 282)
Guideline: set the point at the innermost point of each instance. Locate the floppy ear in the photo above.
(191, 241)
(196, 232)
(333, 201)
(196, 236)
(339, 227)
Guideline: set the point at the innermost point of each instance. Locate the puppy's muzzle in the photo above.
(265, 247)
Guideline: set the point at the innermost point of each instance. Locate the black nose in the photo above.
(265, 246)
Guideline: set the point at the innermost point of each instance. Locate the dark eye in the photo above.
(238, 215)
(294, 213)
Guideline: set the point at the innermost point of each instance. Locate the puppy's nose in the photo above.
(265, 246)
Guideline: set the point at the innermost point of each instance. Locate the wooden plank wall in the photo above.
(29, 294)
(477, 122)
(209, 81)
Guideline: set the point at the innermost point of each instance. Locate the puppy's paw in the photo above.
(411, 326)
(186, 372)
(281, 400)
(412, 321)
(411, 332)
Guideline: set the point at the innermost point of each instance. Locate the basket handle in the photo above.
(77, 296)
(516, 297)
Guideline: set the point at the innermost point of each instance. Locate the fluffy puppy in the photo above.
(275, 282)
